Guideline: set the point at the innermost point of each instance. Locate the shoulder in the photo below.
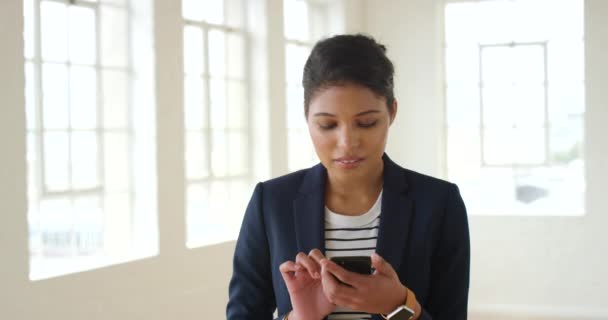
(424, 187)
(289, 185)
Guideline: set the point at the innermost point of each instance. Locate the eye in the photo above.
(327, 126)
(368, 124)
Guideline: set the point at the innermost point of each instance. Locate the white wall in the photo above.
(179, 283)
(529, 266)
(536, 267)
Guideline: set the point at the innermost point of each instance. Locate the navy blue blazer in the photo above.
(423, 234)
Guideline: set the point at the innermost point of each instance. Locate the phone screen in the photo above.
(358, 264)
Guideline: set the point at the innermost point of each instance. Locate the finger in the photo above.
(335, 292)
(382, 266)
(309, 264)
(316, 255)
(288, 269)
(345, 276)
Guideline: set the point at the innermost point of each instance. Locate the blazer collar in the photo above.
(309, 212)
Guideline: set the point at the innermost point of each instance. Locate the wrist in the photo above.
(413, 304)
(400, 300)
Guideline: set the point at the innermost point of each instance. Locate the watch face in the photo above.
(403, 313)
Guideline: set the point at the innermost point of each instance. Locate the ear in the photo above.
(394, 113)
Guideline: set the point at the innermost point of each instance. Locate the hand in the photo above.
(381, 292)
(303, 280)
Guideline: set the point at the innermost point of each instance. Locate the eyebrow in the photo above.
(321, 114)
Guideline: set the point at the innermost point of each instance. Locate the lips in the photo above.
(348, 162)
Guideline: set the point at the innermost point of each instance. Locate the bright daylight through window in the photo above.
(216, 119)
(88, 123)
(515, 105)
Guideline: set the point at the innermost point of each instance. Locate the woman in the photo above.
(356, 202)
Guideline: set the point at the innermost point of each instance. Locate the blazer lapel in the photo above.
(395, 219)
(309, 211)
(397, 210)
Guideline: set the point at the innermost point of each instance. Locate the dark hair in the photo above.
(348, 59)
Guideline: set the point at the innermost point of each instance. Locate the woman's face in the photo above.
(349, 125)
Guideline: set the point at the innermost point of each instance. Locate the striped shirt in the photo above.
(351, 236)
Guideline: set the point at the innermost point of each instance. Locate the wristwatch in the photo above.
(401, 313)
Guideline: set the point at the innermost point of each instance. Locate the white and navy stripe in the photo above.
(351, 236)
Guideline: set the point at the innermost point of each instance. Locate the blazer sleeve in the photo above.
(250, 293)
(450, 266)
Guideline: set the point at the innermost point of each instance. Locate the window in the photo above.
(305, 23)
(89, 205)
(515, 105)
(217, 119)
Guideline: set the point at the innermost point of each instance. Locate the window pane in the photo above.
(497, 65)
(300, 152)
(194, 101)
(55, 225)
(462, 64)
(499, 148)
(193, 50)
(196, 159)
(118, 224)
(235, 13)
(295, 59)
(496, 18)
(82, 35)
(88, 225)
(295, 107)
(498, 106)
(33, 172)
(565, 101)
(529, 64)
(84, 160)
(461, 23)
(116, 161)
(31, 111)
(83, 94)
(218, 103)
(56, 161)
(114, 37)
(464, 149)
(463, 106)
(55, 96)
(236, 56)
(565, 61)
(529, 105)
(115, 101)
(197, 202)
(54, 31)
(219, 162)
(193, 9)
(115, 2)
(530, 20)
(529, 146)
(213, 11)
(217, 53)
(296, 20)
(238, 157)
(28, 28)
(566, 141)
(237, 105)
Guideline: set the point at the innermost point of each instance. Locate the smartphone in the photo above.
(358, 264)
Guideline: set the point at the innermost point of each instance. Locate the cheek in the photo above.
(323, 142)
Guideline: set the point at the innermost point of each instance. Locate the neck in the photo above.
(356, 187)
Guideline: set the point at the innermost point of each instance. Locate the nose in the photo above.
(348, 138)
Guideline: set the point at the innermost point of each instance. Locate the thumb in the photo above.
(381, 265)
